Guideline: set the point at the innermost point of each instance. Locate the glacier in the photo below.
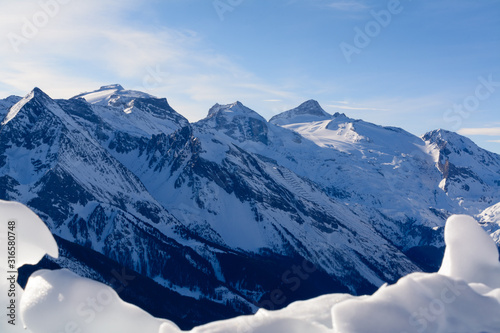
(462, 297)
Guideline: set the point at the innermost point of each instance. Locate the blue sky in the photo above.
(422, 65)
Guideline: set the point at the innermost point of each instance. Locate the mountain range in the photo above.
(202, 221)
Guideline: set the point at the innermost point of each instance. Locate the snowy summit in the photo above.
(113, 94)
(309, 111)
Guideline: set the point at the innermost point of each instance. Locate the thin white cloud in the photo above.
(494, 141)
(344, 107)
(91, 43)
(486, 131)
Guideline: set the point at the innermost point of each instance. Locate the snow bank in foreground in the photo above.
(24, 239)
(33, 235)
(464, 296)
(61, 301)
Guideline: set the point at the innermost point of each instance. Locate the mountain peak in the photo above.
(437, 132)
(451, 143)
(308, 111)
(112, 86)
(339, 115)
(36, 94)
(232, 110)
(112, 95)
(442, 137)
(237, 121)
(311, 107)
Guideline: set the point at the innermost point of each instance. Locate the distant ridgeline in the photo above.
(196, 222)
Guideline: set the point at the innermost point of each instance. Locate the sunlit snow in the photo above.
(464, 296)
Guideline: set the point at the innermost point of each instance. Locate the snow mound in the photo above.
(61, 301)
(470, 254)
(463, 297)
(33, 238)
(27, 239)
(420, 303)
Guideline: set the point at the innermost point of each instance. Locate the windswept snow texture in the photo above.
(463, 297)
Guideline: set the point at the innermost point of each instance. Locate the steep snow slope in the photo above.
(403, 171)
(470, 175)
(385, 173)
(90, 198)
(490, 219)
(127, 111)
(41, 142)
(6, 104)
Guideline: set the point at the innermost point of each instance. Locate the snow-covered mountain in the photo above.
(6, 104)
(307, 112)
(231, 208)
(490, 219)
(470, 174)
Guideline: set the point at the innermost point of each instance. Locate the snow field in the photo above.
(464, 296)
